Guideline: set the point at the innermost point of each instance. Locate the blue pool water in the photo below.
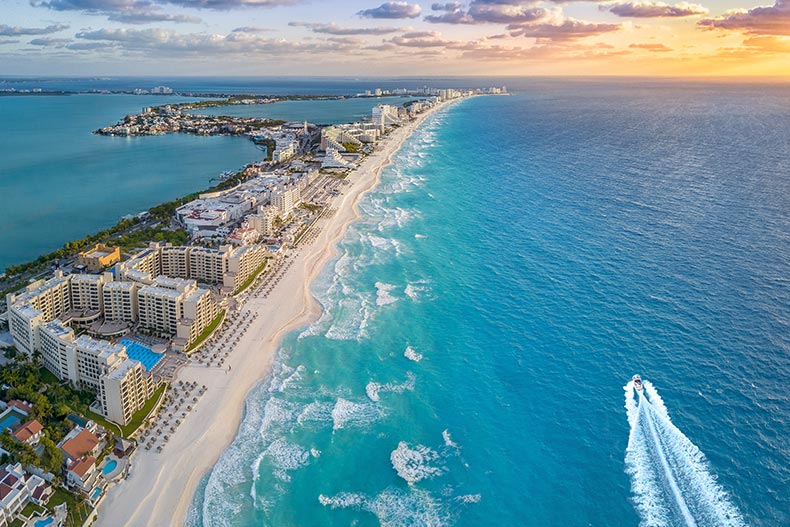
(109, 467)
(45, 522)
(96, 493)
(137, 351)
(11, 420)
(521, 259)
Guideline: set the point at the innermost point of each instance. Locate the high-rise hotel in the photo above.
(157, 291)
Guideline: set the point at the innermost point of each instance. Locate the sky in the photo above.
(715, 38)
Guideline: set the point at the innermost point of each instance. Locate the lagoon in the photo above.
(322, 111)
(59, 182)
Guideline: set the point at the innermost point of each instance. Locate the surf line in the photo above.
(667, 471)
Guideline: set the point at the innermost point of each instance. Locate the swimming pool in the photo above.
(109, 467)
(96, 493)
(144, 354)
(45, 522)
(10, 419)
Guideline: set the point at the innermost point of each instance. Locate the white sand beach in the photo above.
(160, 487)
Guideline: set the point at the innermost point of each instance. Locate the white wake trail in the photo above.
(671, 480)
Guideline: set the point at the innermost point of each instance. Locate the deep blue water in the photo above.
(534, 252)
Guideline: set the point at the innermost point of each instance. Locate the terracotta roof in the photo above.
(41, 490)
(28, 430)
(81, 466)
(81, 444)
(25, 407)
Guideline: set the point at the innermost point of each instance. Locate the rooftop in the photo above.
(101, 348)
(81, 466)
(80, 445)
(58, 328)
(28, 430)
(122, 369)
(159, 291)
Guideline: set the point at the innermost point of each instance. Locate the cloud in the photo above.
(147, 17)
(422, 39)
(568, 29)
(334, 29)
(392, 10)
(757, 47)
(124, 11)
(654, 9)
(761, 20)
(91, 46)
(489, 12)
(150, 11)
(656, 48)
(452, 13)
(103, 6)
(15, 31)
(167, 42)
(226, 5)
(250, 29)
(50, 42)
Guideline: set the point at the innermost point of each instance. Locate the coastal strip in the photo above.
(160, 487)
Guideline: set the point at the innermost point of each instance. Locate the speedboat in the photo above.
(637, 382)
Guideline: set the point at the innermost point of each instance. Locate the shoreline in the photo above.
(161, 486)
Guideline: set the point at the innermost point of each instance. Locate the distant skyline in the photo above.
(478, 37)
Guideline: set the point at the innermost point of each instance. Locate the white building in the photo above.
(385, 116)
(120, 301)
(17, 489)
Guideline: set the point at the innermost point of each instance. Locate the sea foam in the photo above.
(415, 464)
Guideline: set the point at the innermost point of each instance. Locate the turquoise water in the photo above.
(60, 182)
(44, 523)
(330, 111)
(522, 258)
(142, 353)
(109, 467)
(11, 419)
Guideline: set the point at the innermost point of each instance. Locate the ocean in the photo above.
(521, 259)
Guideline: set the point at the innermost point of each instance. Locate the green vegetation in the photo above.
(103, 421)
(165, 211)
(270, 144)
(52, 401)
(51, 456)
(251, 278)
(312, 207)
(140, 237)
(19, 451)
(17, 523)
(31, 508)
(206, 332)
(351, 147)
(77, 507)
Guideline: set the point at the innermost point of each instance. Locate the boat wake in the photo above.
(671, 480)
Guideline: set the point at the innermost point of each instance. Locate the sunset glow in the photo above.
(482, 37)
